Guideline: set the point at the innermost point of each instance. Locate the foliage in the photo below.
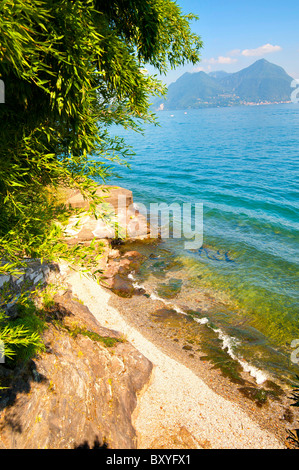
(71, 70)
(18, 335)
(20, 339)
(106, 340)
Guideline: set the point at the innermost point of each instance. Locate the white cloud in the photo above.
(221, 60)
(266, 49)
(235, 52)
(199, 69)
(226, 60)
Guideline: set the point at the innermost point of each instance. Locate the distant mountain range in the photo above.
(261, 82)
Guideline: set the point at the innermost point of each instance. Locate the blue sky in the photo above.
(236, 33)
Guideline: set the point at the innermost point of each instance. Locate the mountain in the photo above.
(218, 74)
(261, 82)
(192, 89)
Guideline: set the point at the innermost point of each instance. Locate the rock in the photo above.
(78, 393)
(4, 279)
(119, 198)
(122, 286)
(113, 195)
(140, 291)
(137, 226)
(115, 276)
(71, 310)
(117, 217)
(170, 290)
(26, 280)
(123, 264)
(178, 438)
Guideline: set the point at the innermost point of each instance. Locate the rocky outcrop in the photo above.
(81, 392)
(117, 217)
(118, 268)
(107, 194)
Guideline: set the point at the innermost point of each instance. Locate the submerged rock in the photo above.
(171, 289)
(122, 286)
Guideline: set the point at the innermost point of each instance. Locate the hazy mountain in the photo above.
(191, 89)
(260, 82)
(218, 74)
(196, 90)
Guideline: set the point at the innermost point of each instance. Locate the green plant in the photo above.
(22, 336)
(71, 70)
(106, 340)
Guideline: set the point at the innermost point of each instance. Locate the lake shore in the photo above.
(190, 402)
(187, 404)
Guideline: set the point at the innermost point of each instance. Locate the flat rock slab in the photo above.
(117, 217)
(109, 194)
(86, 228)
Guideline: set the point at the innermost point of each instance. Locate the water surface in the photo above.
(242, 164)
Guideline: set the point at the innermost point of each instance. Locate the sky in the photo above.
(236, 33)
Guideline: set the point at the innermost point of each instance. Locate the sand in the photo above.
(176, 409)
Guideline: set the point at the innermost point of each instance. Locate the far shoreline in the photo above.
(237, 105)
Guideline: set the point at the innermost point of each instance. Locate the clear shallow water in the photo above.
(242, 163)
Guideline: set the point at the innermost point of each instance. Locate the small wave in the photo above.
(228, 343)
(169, 304)
(202, 321)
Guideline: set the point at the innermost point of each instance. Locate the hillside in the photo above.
(260, 82)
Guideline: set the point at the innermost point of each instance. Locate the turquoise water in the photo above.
(242, 164)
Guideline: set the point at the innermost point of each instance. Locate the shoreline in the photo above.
(201, 414)
(242, 417)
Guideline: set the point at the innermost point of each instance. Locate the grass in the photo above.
(106, 340)
(31, 323)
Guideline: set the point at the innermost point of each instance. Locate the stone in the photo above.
(70, 310)
(122, 219)
(110, 195)
(38, 277)
(21, 279)
(171, 289)
(116, 196)
(178, 437)
(3, 279)
(122, 286)
(115, 276)
(123, 264)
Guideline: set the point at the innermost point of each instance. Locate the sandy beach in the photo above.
(177, 409)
